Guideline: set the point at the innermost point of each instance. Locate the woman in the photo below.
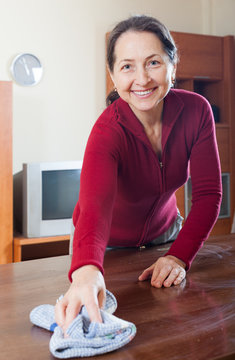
(137, 156)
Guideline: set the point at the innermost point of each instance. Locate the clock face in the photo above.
(26, 70)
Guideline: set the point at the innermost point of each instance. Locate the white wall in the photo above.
(53, 119)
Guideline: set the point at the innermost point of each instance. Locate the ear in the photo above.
(174, 71)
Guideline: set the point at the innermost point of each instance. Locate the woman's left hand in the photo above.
(166, 271)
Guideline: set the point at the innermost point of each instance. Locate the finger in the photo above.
(101, 299)
(172, 277)
(60, 312)
(180, 277)
(159, 278)
(72, 310)
(146, 274)
(94, 312)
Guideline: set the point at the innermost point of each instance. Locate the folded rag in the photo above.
(44, 315)
(85, 338)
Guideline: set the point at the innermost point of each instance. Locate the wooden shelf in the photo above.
(198, 72)
(222, 126)
(19, 242)
(215, 84)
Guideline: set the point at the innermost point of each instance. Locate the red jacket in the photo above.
(127, 199)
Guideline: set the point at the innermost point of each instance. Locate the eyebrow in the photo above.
(150, 56)
(125, 60)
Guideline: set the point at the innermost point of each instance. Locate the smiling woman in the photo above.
(142, 74)
(140, 149)
(139, 25)
(142, 64)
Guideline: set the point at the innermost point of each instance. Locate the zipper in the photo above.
(162, 177)
(141, 246)
(145, 231)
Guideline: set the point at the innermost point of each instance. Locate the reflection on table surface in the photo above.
(195, 320)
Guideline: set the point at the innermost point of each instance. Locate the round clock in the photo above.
(26, 69)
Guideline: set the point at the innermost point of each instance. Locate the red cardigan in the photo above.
(127, 199)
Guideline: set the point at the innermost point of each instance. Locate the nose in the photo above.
(142, 76)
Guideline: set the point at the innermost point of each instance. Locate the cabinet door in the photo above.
(6, 206)
(200, 56)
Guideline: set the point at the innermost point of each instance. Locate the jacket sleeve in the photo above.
(98, 186)
(206, 190)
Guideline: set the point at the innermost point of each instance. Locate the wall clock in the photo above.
(26, 69)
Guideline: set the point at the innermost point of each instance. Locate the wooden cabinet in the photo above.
(35, 248)
(199, 56)
(207, 66)
(6, 197)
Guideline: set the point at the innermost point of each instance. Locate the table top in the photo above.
(195, 320)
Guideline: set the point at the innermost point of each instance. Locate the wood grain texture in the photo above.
(195, 320)
(20, 243)
(200, 55)
(6, 182)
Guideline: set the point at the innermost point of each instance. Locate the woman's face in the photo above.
(142, 72)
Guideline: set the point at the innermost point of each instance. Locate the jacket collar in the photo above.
(173, 106)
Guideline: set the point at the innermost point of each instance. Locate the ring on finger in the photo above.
(59, 299)
(181, 275)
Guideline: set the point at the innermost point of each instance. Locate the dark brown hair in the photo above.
(139, 23)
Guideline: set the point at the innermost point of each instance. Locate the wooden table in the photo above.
(195, 320)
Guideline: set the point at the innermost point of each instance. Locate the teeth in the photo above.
(141, 93)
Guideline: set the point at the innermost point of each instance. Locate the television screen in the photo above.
(45, 195)
(60, 189)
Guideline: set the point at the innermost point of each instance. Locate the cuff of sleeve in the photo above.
(80, 264)
(87, 254)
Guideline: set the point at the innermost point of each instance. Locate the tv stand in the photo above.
(52, 246)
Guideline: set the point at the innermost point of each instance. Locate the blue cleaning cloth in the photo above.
(89, 338)
(85, 338)
(44, 315)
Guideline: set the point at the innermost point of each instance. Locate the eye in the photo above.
(126, 67)
(153, 63)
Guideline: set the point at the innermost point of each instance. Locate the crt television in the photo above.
(45, 195)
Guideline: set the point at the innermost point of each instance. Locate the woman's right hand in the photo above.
(87, 288)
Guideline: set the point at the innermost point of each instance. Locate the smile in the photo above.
(143, 92)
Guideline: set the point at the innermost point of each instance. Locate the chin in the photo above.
(145, 107)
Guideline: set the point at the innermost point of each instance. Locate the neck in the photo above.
(150, 119)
